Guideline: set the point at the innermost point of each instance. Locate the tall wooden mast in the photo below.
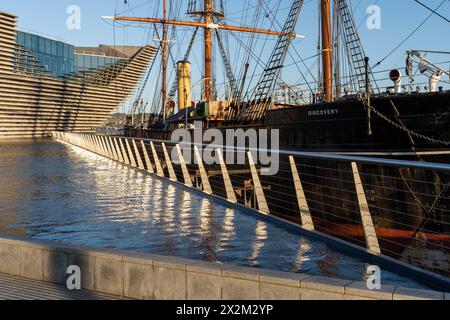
(164, 62)
(209, 26)
(209, 14)
(327, 50)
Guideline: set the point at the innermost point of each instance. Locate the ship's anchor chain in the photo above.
(402, 127)
(427, 211)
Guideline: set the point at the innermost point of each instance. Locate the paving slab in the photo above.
(15, 288)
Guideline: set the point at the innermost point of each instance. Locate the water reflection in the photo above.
(63, 193)
(258, 241)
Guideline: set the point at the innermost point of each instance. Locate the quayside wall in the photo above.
(148, 276)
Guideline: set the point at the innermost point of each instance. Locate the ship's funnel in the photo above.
(184, 84)
(396, 77)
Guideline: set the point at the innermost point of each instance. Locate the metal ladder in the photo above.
(262, 94)
(354, 47)
(173, 89)
(228, 69)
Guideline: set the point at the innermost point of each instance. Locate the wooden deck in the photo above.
(13, 288)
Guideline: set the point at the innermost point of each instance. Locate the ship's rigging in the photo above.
(342, 63)
(210, 21)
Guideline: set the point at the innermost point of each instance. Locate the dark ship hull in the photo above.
(343, 126)
(410, 207)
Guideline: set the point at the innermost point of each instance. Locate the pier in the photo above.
(242, 207)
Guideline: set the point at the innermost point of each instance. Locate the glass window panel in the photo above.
(28, 40)
(42, 44)
(60, 49)
(47, 62)
(54, 49)
(60, 67)
(95, 62)
(80, 62)
(71, 52)
(35, 44)
(48, 47)
(66, 51)
(88, 62)
(71, 66)
(20, 38)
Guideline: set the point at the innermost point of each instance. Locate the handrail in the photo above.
(390, 212)
(317, 155)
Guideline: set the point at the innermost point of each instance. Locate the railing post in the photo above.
(259, 192)
(184, 169)
(138, 156)
(114, 151)
(91, 143)
(231, 195)
(107, 151)
(97, 145)
(172, 175)
(305, 214)
(119, 152)
(159, 170)
(148, 163)
(110, 148)
(93, 147)
(130, 153)
(366, 217)
(124, 153)
(100, 147)
(205, 181)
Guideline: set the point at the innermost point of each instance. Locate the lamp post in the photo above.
(188, 97)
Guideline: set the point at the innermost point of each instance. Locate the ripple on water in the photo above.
(62, 193)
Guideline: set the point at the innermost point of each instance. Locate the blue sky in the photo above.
(398, 19)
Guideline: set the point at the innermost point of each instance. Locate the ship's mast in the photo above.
(209, 26)
(164, 62)
(327, 50)
(209, 14)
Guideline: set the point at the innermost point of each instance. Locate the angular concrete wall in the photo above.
(34, 105)
(146, 276)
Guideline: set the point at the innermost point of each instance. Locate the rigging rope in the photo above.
(409, 35)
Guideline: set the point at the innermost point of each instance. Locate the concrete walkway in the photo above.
(13, 288)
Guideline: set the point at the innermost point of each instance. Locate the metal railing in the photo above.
(392, 207)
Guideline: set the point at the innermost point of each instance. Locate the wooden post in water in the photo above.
(106, 147)
(94, 147)
(124, 153)
(204, 176)
(148, 163)
(119, 152)
(172, 175)
(366, 218)
(111, 145)
(138, 156)
(159, 170)
(231, 195)
(98, 147)
(130, 153)
(305, 214)
(184, 169)
(111, 148)
(259, 192)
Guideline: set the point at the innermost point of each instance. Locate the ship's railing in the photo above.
(305, 92)
(391, 207)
